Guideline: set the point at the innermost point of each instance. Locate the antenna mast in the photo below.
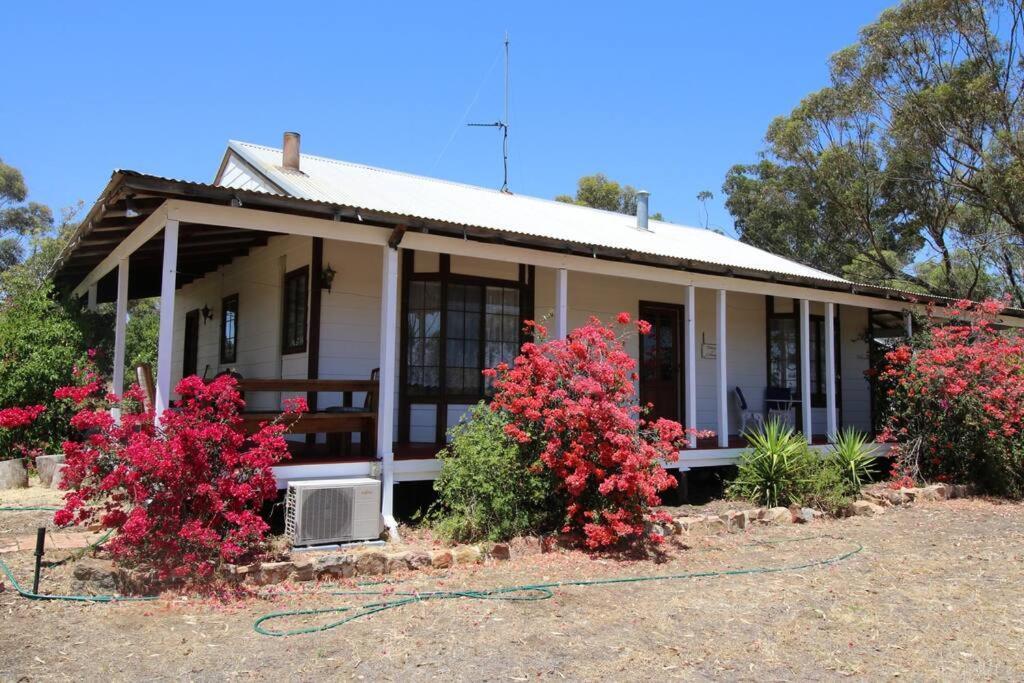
(503, 124)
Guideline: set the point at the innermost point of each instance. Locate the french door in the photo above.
(661, 360)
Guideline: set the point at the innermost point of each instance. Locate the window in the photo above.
(423, 317)
(481, 329)
(229, 329)
(190, 362)
(784, 352)
(454, 326)
(296, 293)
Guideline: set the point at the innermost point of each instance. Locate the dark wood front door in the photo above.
(661, 366)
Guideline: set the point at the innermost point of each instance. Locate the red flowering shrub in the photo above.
(956, 403)
(14, 443)
(184, 495)
(573, 403)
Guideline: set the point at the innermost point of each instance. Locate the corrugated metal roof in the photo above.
(375, 189)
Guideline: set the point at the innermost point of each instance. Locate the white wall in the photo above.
(257, 280)
(605, 297)
(350, 324)
(854, 361)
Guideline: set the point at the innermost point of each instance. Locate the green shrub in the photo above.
(854, 455)
(487, 490)
(774, 470)
(40, 343)
(826, 487)
(780, 469)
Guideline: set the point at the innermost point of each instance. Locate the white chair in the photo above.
(781, 405)
(748, 417)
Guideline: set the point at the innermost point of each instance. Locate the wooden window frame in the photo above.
(191, 317)
(231, 300)
(525, 283)
(301, 273)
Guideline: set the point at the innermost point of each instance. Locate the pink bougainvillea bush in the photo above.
(184, 493)
(956, 403)
(573, 402)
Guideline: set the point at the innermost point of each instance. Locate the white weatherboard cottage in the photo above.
(382, 295)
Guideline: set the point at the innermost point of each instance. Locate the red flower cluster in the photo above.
(184, 495)
(17, 417)
(573, 400)
(956, 403)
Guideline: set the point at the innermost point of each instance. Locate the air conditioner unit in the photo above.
(333, 510)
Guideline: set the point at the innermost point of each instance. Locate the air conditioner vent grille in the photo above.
(326, 513)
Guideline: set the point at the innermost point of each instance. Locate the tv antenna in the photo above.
(501, 125)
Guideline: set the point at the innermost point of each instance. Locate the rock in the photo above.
(371, 563)
(269, 573)
(467, 554)
(715, 525)
(893, 497)
(934, 492)
(442, 559)
(777, 515)
(691, 525)
(501, 551)
(305, 570)
(398, 562)
(909, 495)
(961, 491)
(803, 515)
(735, 520)
(418, 559)
(864, 508)
(45, 465)
(135, 582)
(95, 577)
(335, 566)
(13, 474)
(663, 530)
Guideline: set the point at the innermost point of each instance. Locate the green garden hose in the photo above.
(527, 592)
(27, 508)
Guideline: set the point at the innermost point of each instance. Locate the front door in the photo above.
(661, 367)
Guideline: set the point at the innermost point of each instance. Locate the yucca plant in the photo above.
(854, 455)
(774, 469)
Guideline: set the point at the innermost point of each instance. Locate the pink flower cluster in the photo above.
(185, 494)
(573, 400)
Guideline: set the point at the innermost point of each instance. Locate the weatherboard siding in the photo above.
(350, 327)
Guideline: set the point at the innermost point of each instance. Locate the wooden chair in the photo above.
(343, 442)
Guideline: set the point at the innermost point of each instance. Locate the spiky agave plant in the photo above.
(854, 455)
(774, 468)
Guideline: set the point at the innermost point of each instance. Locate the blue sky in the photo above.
(662, 96)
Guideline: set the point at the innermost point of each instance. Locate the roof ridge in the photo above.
(354, 164)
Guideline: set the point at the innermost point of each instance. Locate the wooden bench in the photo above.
(342, 420)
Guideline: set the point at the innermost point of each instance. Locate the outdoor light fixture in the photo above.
(207, 313)
(327, 277)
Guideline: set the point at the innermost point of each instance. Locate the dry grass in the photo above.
(935, 594)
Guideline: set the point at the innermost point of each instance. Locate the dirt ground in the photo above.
(934, 594)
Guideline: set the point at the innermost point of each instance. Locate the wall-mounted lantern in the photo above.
(207, 314)
(327, 277)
